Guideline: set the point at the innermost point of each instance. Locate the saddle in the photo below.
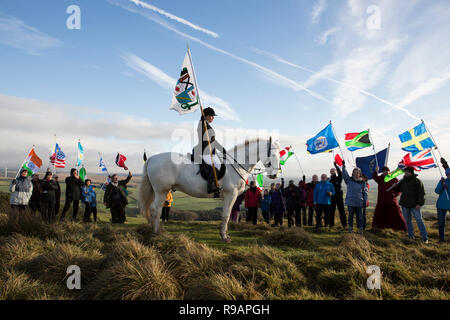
(205, 169)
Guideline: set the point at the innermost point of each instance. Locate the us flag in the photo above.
(58, 159)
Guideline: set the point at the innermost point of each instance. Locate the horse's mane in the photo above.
(246, 143)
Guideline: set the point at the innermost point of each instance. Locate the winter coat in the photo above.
(310, 194)
(357, 192)
(49, 189)
(266, 202)
(21, 190)
(169, 200)
(293, 196)
(413, 192)
(73, 188)
(252, 198)
(277, 205)
(202, 147)
(238, 202)
(321, 193)
(112, 190)
(89, 196)
(386, 195)
(443, 201)
(336, 180)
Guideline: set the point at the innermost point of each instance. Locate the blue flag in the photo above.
(368, 164)
(416, 139)
(102, 165)
(323, 141)
(80, 157)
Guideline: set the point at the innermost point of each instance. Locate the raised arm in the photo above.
(345, 174)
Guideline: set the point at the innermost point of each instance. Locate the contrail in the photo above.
(272, 74)
(174, 17)
(393, 105)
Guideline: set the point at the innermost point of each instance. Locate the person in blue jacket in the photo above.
(356, 199)
(265, 206)
(323, 192)
(443, 203)
(89, 198)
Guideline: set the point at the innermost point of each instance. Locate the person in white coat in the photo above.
(21, 189)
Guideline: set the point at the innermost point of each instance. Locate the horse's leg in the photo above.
(228, 201)
(156, 209)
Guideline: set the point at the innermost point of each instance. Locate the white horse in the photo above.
(173, 171)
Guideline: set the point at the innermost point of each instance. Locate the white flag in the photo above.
(185, 96)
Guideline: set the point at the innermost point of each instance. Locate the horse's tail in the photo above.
(146, 193)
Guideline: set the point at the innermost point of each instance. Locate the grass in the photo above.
(188, 261)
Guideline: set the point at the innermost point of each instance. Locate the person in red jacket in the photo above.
(310, 197)
(252, 202)
(387, 212)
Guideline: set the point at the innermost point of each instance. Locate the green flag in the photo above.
(394, 175)
(357, 141)
(82, 174)
(260, 181)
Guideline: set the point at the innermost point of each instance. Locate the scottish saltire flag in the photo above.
(285, 154)
(185, 96)
(369, 164)
(58, 158)
(32, 163)
(102, 165)
(80, 156)
(323, 141)
(422, 160)
(357, 141)
(417, 139)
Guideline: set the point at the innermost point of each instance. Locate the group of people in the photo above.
(323, 197)
(44, 196)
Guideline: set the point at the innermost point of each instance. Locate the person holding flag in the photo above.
(356, 199)
(73, 194)
(443, 202)
(387, 211)
(412, 200)
(324, 141)
(21, 190)
(337, 201)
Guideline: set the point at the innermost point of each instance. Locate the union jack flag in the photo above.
(421, 160)
(58, 159)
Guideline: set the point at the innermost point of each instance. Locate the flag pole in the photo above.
(204, 120)
(337, 139)
(298, 161)
(23, 162)
(374, 150)
(440, 155)
(388, 154)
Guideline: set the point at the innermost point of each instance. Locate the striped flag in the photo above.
(285, 154)
(421, 160)
(357, 141)
(58, 158)
(32, 163)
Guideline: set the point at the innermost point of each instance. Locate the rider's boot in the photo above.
(212, 188)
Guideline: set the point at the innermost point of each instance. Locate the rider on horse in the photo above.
(201, 151)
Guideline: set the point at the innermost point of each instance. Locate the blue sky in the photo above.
(279, 67)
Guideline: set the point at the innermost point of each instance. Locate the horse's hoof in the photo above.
(227, 239)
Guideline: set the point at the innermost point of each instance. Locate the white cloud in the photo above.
(17, 34)
(318, 8)
(174, 17)
(138, 64)
(323, 38)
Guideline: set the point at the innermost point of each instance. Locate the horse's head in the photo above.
(272, 161)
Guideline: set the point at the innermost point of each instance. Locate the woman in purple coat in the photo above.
(277, 205)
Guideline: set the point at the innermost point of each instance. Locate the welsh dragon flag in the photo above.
(285, 154)
(185, 96)
(32, 163)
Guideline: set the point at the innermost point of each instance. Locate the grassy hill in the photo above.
(189, 261)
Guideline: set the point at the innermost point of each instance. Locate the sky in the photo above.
(278, 68)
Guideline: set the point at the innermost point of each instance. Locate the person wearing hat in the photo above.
(443, 203)
(73, 193)
(201, 152)
(412, 201)
(388, 214)
(21, 189)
